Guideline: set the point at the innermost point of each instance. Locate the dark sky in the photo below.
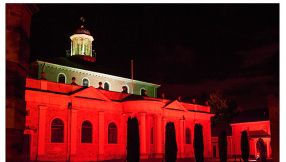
(189, 49)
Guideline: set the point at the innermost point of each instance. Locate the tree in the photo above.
(133, 145)
(260, 147)
(225, 109)
(222, 146)
(244, 145)
(199, 143)
(170, 143)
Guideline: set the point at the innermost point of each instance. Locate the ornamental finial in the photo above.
(83, 20)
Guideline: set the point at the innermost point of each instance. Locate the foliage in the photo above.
(199, 143)
(244, 145)
(261, 149)
(170, 143)
(222, 146)
(225, 109)
(133, 145)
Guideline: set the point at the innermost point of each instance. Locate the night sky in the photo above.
(191, 50)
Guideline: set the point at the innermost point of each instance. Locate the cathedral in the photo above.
(78, 111)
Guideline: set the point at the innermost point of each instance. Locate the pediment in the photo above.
(91, 93)
(175, 105)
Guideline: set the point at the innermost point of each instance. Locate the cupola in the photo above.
(81, 43)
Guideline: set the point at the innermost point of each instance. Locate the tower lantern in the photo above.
(81, 43)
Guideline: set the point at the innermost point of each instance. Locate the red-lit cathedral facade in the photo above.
(83, 122)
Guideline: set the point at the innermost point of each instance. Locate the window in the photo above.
(79, 46)
(106, 86)
(142, 91)
(151, 141)
(57, 131)
(188, 136)
(61, 78)
(112, 133)
(85, 82)
(86, 47)
(126, 88)
(86, 132)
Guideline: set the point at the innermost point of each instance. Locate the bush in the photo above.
(133, 145)
(170, 143)
(222, 146)
(199, 143)
(261, 149)
(244, 145)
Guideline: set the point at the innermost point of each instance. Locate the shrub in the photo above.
(170, 143)
(199, 143)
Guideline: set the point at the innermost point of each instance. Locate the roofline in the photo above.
(250, 122)
(118, 77)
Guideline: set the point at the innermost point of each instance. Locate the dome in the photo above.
(81, 31)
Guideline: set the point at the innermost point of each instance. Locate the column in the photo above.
(42, 130)
(75, 45)
(164, 129)
(124, 135)
(210, 138)
(268, 149)
(143, 136)
(73, 131)
(255, 149)
(90, 49)
(182, 138)
(158, 137)
(101, 135)
(71, 47)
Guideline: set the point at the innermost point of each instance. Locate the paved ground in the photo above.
(191, 160)
(187, 160)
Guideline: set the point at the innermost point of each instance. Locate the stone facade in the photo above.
(255, 130)
(18, 20)
(74, 104)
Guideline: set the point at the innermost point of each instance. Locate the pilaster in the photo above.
(182, 155)
(142, 136)
(101, 135)
(158, 151)
(73, 131)
(42, 130)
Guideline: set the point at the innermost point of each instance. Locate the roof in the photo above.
(252, 116)
(220, 127)
(76, 62)
(81, 31)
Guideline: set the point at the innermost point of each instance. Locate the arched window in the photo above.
(126, 88)
(86, 47)
(188, 136)
(142, 91)
(57, 131)
(86, 132)
(151, 140)
(106, 86)
(79, 46)
(85, 82)
(61, 78)
(112, 133)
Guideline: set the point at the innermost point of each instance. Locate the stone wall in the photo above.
(18, 20)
